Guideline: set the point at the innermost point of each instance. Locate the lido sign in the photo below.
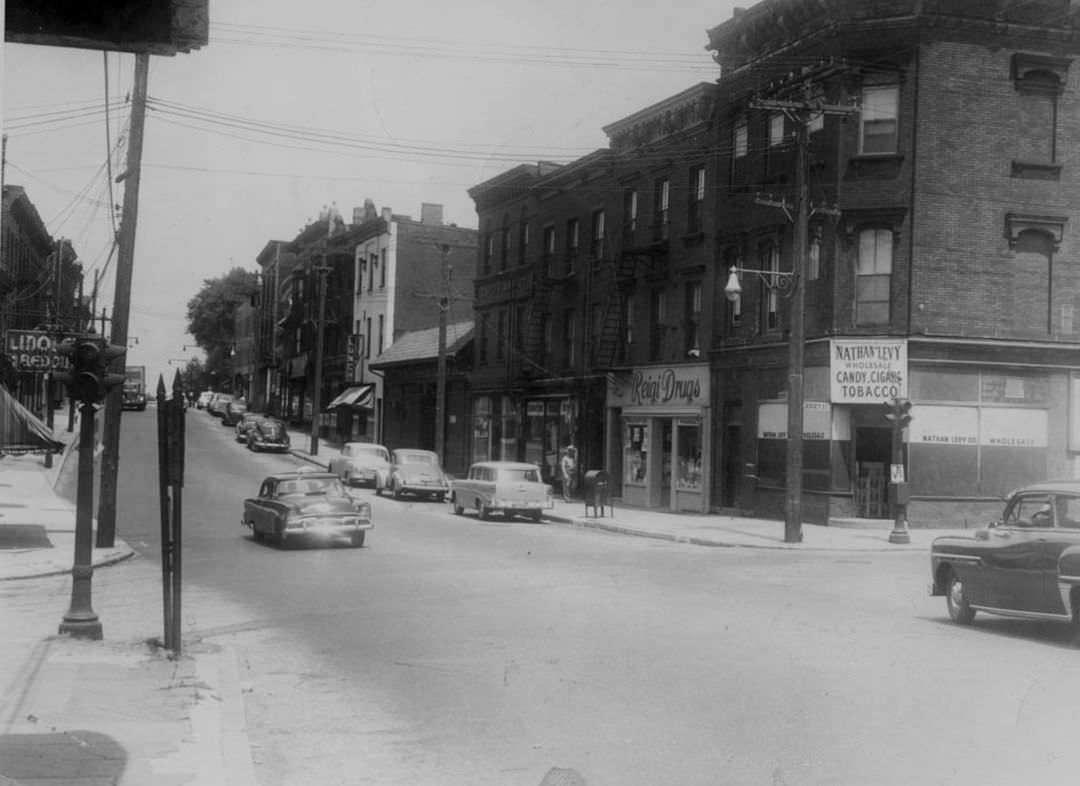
(868, 370)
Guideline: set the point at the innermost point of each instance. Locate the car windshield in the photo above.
(518, 475)
(416, 458)
(329, 486)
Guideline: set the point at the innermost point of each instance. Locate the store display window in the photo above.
(481, 432)
(636, 454)
(689, 459)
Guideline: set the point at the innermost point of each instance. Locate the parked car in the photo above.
(217, 404)
(362, 462)
(1027, 564)
(417, 472)
(245, 424)
(306, 505)
(268, 434)
(508, 486)
(234, 411)
(204, 399)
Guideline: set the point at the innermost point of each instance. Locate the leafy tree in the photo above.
(211, 315)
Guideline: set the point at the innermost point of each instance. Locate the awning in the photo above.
(358, 396)
(21, 431)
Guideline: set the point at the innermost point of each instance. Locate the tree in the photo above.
(211, 315)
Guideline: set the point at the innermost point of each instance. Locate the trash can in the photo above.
(595, 491)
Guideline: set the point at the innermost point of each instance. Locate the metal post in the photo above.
(794, 465)
(316, 400)
(110, 461)
(899, 486)
(48, 415)
(440, 381)
(80, 620)
(163, 503)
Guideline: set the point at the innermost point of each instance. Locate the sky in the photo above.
(291, 107)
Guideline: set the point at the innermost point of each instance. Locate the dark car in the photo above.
(1025, 565)
(417, 472)
(233, 411)
(268, 434)
(245, 424)
(309, 506)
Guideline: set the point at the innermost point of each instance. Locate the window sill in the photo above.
(1032, 170)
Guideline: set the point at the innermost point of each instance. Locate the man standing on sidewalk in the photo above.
(568, 471)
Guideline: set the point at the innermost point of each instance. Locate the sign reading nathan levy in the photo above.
(868, 370)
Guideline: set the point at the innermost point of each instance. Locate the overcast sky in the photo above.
(292, 106)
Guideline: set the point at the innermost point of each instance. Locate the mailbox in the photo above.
(595, 490)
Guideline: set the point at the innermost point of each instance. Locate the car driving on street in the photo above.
(1027, 564)
(306, 506)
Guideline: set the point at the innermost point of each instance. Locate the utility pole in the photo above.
(440, 383)
(808, 104)
(110, 461)
(316, 397)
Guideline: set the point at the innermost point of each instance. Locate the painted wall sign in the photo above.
(817, 420)
(867, 370)
(1010, 427)
(673, 386)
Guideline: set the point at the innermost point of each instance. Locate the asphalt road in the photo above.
(454, 651)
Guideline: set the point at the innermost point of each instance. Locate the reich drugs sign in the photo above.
(868, 370)
(34, 350)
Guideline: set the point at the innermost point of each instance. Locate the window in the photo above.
(1039, 81)
(688, 475)
(1031, 288)
(816, 123)
(549, 248)
(519, 328)
(545, 332)
(657, 318)
(367, 339)
(740, 141)
(693, 318)
(696, 211)
(373, 262)
(873, 277)
(599, 248)
(662, 209)
(770, 296)
(776, 129)
(630, 215)
(504, 258)
(573, 243)
(813, 258)
(382, 268)
(878, 120)
(482, 349)
(523, 240)
(500, 331)
(570, 334)
(628, 326)
(489, 251)
(636, 454)
(382, 334)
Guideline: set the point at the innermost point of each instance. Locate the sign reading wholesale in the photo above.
(868, 370)
(34, 350)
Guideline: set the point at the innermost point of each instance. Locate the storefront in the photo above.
(658, 440)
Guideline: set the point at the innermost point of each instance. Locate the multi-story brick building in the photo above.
(594, 308)
(947, 274)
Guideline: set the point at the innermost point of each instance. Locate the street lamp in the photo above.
(787, 284)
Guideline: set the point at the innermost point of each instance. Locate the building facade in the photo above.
(939, 250)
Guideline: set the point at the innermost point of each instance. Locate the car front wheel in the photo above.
(458, 508)
(358, 539)
(959, 610)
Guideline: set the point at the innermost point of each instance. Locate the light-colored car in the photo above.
(245, 424)
(417, 472)
(306, 506)
(204, 399)
(217, 404)
(508, 486)
(362, 463)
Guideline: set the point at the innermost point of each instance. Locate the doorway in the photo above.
(873, 452)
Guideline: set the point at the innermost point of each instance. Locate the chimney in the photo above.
(388, 214)
(370, 213)
(431, 214)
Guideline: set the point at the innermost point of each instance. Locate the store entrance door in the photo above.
(873, 452)
(665, 470)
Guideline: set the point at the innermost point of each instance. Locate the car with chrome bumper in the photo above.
(306, 506)
(1026, 564)
(417, 472)
(507, 487)
(362, 463)
(268, 434)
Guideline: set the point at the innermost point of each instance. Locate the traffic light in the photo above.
(898, 412)
(88, 379)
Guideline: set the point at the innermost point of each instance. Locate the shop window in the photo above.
(873, 277)
(689, 459)
(636, 454)
(878, 120)
(507, 430)
(481, 430)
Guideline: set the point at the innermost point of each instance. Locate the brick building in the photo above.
(946, 276)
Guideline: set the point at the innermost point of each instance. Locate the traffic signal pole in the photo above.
(110, 460)
(80, 620)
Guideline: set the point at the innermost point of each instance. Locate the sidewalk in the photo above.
(701, 530)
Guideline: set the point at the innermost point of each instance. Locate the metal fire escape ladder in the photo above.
(538, 313)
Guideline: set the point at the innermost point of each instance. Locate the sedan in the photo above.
(234, 410)
(1027, 564)
(245, 424)
(502, 486)
(308, 506)
(268, 434)
(362, 463)
(204, 399)
(417, 472)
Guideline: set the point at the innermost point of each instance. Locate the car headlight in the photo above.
(364, 509)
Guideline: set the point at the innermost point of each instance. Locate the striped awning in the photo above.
(359, 396)
(21, 431)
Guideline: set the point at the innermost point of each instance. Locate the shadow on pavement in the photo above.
(61, 759)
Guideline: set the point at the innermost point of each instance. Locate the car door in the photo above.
(1013, 559)
(1065, 534)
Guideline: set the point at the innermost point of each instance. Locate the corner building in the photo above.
(942, 252)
